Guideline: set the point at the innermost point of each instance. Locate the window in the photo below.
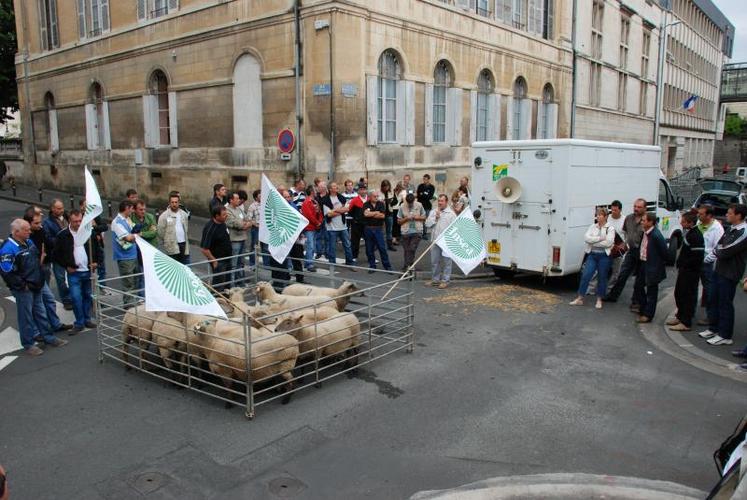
(150, 9)
(247, 103)
(597, 21)
(53, 138)
(622, 90)
(624, 36)
(521, 108)
(644, 98)
(442, 81)
(483, 7)
(50, 32)
(595, 86)
(93, 17)
(548, 19)
(389, 74)
(97, 119)
(547, 114)
(159, 112)
(534, 16)
(645, 50)
(485, 89)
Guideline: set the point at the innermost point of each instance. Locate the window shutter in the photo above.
(104, 15)
(173, 122)
(510, 118)
(540, 120)
(401, 112)
(150, 126)
(54, 30)
(372, 94)
(428, 114)
(54, 137)
(173, 5)
(525, 127)
(550, 19)
(81, 19)
(142, 10)
(494, 117)
(409, 113)
(92, 134)
(43, 25)
(454, 117)
(107, 130)
(473, 116)
(552, 118)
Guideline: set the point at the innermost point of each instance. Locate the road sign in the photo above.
(286, 141)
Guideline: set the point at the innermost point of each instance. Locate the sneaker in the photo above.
(673, 321)
(76, 330)
(680, 327)
(598, 304)
(719, 340)
(34, 351)
(311, 269)
(431, 283)
(64, 327)
(58, 343)
(443, 285)
(707, 334)
(577, 302)
(106, 292)
(90, 324)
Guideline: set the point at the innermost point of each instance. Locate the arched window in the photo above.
(521, 109)
(97, 119)
(485, 88)
(53, 139)
(389, 75)
(547, 114)
(159, 109)
(247, 103)
(442, 81)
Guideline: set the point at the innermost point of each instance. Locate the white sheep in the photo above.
(267, 295)
(137, 323)
(344, 291)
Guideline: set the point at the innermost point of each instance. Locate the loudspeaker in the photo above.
(508, 190)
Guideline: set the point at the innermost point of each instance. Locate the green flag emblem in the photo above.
(180, 282)
(280, 218)
(463, 239)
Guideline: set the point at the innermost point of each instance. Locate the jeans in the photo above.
(706, 275)
(237, 248)
(356, 231)
(721, 306)
(310, 248)
(599, 263)
(253, 239)
(50, 304)
(59, 277)
(629, 268)
(686, 295)
(320, 239)
(181, 257)
(32, 317)
(221, 274)
(410, 244)
(129, 269)
(332, 237)
(101, 269)
(441, 266)
(615, 265)
(425, 229)
(80, 292)
(374, 237)
(389, 220)
(267, 260)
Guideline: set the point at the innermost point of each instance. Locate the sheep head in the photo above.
(348, 287)
(236, 294)
(264, 291)
(289, 324)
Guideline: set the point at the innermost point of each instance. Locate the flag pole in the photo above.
(255, 322)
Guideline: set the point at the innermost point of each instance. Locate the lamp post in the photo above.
(660, 73)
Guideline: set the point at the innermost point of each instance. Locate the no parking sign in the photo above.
(286, 141)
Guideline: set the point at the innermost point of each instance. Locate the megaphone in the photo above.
(508, 190)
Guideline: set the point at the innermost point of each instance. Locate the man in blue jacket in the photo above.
(20, 267)
(652, 270)
(53, 225)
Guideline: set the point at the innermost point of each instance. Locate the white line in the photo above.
(6, 361)
(11, 298)
(10, 341)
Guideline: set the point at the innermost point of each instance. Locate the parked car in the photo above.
(728, 460)
(720, 194)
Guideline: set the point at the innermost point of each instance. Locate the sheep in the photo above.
(328, 338)
(268, 295)
(170, 337)
(302, 289)
(137, 323)
(223, 348)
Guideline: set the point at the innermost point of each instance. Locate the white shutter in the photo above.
(494, 117)
(43, 25)
(173, 5)
(473, 116)
(401, 112)
(540, 120)
(173, 123)
(525, 128)
(92, 133)
(107, 130)
(428, 114)
(510, 118)
(454, 117)
(372, 95)
(82, 19)
(142, 9)
(104, 9)
(409, 113)
(150, 125)
(53, 25)
(552, 120)
(54, 137)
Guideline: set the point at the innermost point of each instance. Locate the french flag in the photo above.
(689, 103)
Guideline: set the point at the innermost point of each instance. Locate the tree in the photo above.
(8, 49)
(734, 125)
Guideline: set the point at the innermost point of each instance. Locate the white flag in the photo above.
(462, 242)
(280, 224)
(172, 286)
(93, 209)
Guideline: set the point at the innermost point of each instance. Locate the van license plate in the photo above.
(494, 247)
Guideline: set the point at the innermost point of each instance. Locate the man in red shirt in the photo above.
(356, 212)
(311, 210)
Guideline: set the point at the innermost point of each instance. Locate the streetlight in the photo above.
(660, 73)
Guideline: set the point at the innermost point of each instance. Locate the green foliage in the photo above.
(8, 49)
(735, 125)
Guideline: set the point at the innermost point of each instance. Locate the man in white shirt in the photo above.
(173, 230)
(712, 231)
(438, 220)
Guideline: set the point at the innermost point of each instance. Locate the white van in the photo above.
(538, 197)
(742, 176)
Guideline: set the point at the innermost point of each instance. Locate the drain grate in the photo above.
(149, 482)
(286, 487)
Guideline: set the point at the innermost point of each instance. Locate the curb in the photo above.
(565, 486)
(682, 348)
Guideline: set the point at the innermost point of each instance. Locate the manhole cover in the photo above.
(149, 482)
(286, 487)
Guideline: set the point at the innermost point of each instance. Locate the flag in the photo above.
(92, 210)
(462, 242)
(172, 286)
(280, 223)
(689, 103)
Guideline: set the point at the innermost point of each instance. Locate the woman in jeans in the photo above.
(388, 198)
(599, 238)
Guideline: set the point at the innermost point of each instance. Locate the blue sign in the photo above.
(349, 90)
(322, 89)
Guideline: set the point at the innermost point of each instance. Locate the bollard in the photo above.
(72, 202)
(41, 195)
(109, 206)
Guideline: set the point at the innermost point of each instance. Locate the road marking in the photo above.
(4, 362)
(10, 341)
(11, 298)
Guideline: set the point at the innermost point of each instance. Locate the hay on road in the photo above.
(509, 298)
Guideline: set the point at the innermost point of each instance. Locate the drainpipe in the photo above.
(300, 169)
(660, 76)
(30, 119)
(574, 70)
(332, 127)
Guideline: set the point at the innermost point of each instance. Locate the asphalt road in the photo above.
(505, 379)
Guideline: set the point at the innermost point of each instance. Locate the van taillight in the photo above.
(555, 256)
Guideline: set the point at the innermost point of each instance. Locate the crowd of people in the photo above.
(712, 257)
